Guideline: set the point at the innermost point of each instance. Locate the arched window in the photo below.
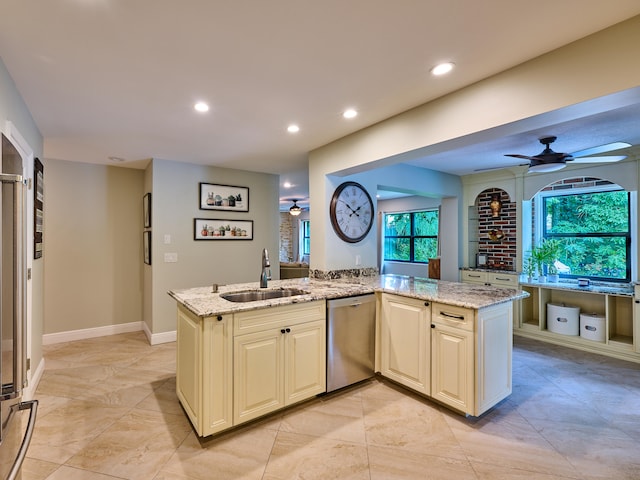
(591, 220)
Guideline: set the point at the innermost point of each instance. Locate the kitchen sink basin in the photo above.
(255, 295)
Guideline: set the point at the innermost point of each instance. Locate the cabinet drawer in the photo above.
(502, 280)
(453, 316)
(280, 316)
(474, 277)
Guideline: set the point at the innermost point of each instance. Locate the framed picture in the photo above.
(222, 229)
(146, 209)
(223, 197)
(146, 246)
(38, 208)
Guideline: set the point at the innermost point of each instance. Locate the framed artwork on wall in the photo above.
(222, 229)
(146, 246)
(223, 197)
(38, 208)
(146, 209)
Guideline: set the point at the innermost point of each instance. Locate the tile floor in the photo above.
(108, 411)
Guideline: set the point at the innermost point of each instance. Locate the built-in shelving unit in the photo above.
(619, 306)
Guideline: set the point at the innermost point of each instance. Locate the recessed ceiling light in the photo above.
(201, 107)
(442, 68)
(117, 159)
(293, 128)
(350, 113)
(286, 185)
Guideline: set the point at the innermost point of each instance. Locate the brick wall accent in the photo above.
(500, 253)
(286, 237)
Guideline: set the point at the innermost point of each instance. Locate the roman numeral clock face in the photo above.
(351, 212)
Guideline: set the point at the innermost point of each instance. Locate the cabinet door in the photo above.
(217, 365)
(452, 371)
(258, 374)
(188, 366)
(305, 370)
(405, 346)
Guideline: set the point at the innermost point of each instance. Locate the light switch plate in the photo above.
(170, 257)
(167, 239)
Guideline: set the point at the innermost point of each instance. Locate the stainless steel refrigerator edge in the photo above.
(15, 433)
(350, 340)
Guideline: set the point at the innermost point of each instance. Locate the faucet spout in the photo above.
(266, 267)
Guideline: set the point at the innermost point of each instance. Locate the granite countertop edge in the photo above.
(203, 302)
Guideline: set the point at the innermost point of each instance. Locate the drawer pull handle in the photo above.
(503, 279)
(474, 276)
(450, 315)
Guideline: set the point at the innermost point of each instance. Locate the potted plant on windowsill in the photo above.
(551, 250)
(538, 259)
(529, 267)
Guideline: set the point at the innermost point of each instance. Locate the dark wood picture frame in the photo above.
(146, 246)
(146, 210)
(214, 196)
(222, 229)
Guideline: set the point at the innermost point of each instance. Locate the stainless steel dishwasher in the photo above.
(350, 340)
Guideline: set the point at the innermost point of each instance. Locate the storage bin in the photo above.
(563, 319)
(592, 326)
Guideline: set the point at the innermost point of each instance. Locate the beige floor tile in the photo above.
(339, 417)
(402, 464)
(65, 431)
(69, 473)
(134, 447)
(108, 410)
(237, 455)
(296, 456)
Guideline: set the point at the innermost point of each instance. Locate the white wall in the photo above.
(513, 101)
(175, 204)
(92, 246)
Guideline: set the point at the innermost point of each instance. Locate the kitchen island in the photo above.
(238, 361)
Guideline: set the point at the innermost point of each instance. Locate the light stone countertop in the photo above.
(204, 303)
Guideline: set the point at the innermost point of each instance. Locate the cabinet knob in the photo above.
(637, 301)
(282, 330)
(219, 317)
(288, 330)
(426, 304)
(433, 326)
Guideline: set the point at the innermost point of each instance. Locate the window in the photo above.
(411, 236)
(594, 230)
(305, 237)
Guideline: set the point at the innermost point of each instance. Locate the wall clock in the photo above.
(351, 212)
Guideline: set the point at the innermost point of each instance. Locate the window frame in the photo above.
(305, 234)
(542, 234)
(412, 237)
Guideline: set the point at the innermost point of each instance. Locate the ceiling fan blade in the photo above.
(607, 147)
(603, 159)
(500, 168)
(516, 155)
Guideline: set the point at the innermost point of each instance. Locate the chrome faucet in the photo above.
(264, 276)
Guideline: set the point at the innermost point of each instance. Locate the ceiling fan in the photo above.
(549, 161)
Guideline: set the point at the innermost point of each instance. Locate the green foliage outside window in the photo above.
(594, 232)
(411, 236)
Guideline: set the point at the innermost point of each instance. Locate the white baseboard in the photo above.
(158, 338)
(29, 392)
(51, 338)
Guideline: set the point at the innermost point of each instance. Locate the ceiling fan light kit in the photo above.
(295, 210)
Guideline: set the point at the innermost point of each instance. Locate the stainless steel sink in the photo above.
(255, 295)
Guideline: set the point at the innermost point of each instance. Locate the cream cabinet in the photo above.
(497, 279)
(618, 306)
(280, 360)
(471, 356)
(452, 352)
(204, 370)
(405, 355)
